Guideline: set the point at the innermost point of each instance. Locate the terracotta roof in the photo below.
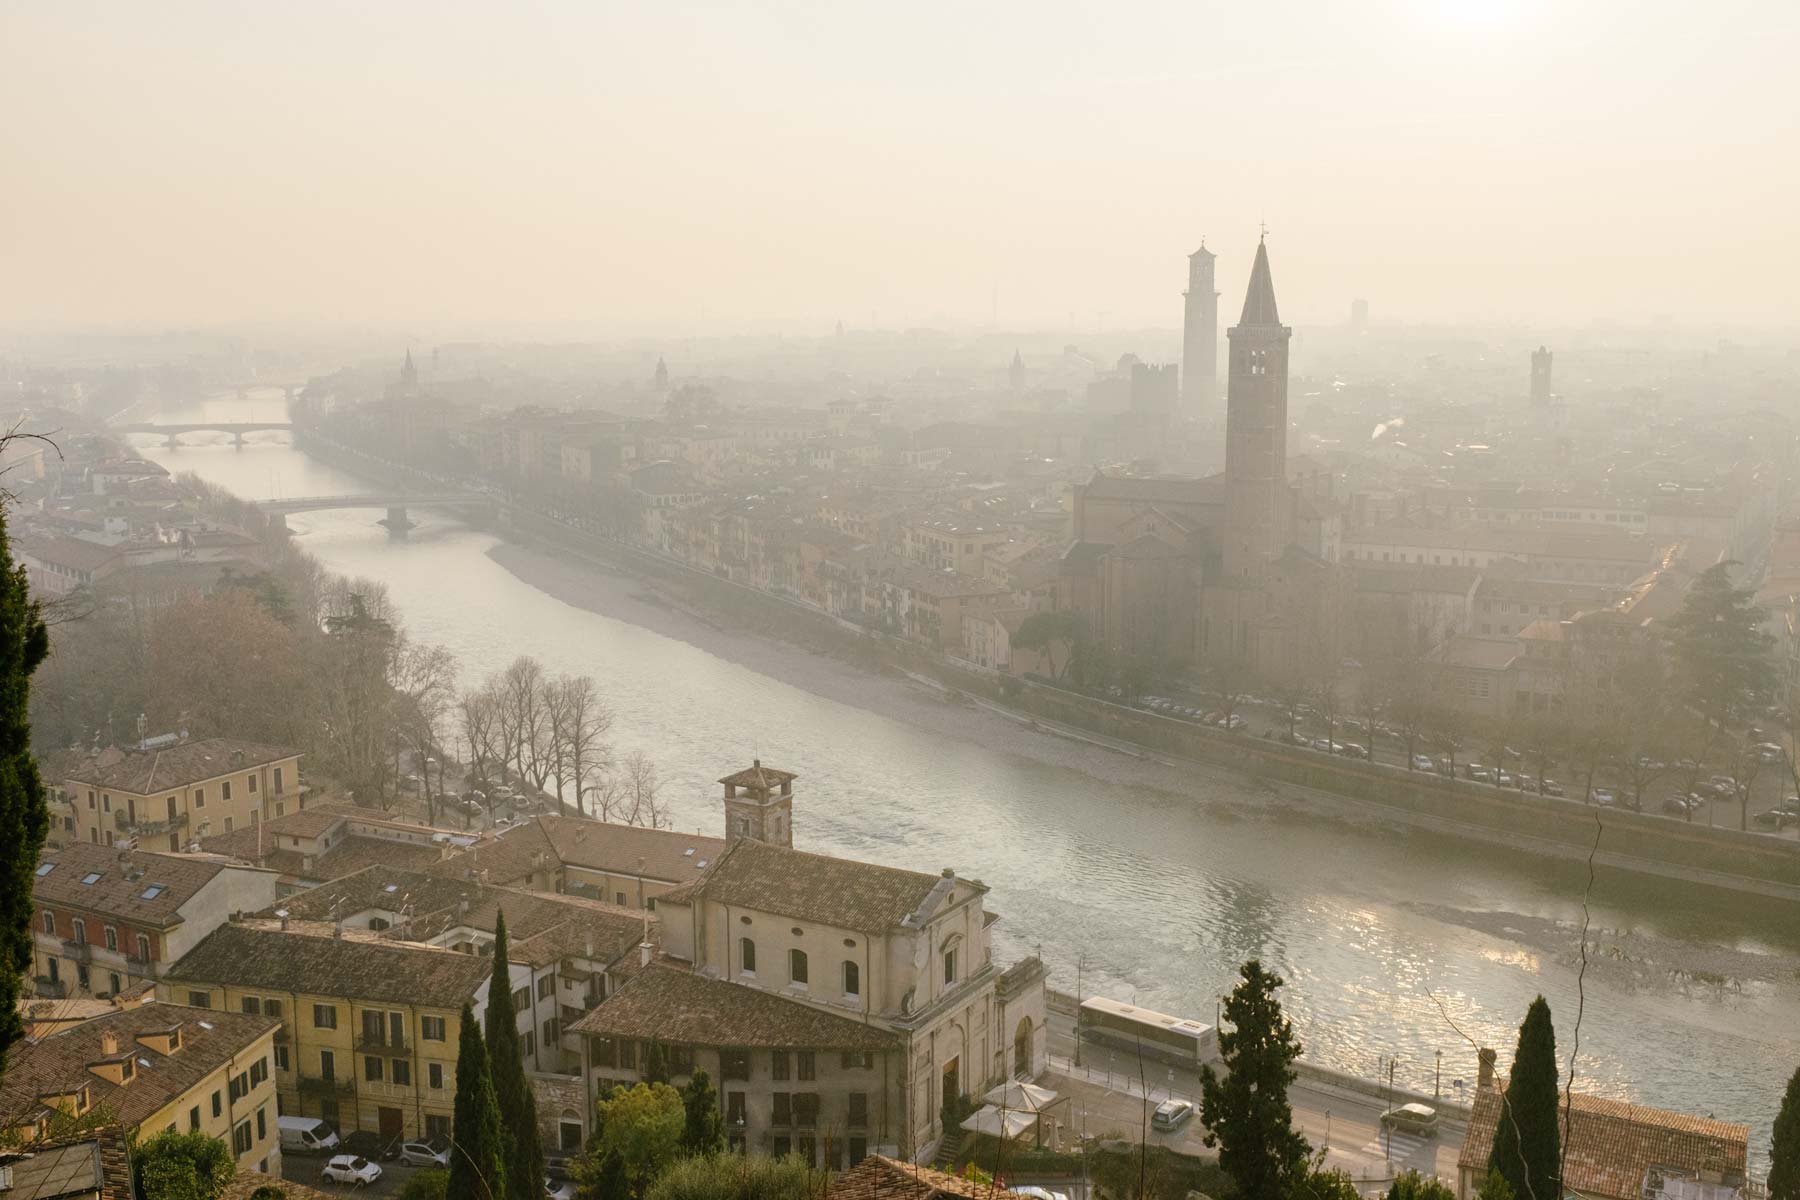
(506, 858)
(811, 887)
(144, 887)
(758, 776)
(880, 1178)
(245, 1183)
(146, 772)
(1613, 1143)
(672, 1004)
(607, 846)
(59, 1063)
(95, 1164)
(310, 960)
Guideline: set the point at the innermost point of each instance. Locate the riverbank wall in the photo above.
(1619, 839)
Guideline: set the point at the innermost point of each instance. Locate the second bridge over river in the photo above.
(396, 503)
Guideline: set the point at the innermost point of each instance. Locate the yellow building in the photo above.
(368, 1026)
(154, 1068)
(165, 797)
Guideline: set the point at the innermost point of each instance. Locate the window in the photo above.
(949, 966)
(852, 1059)
(80, 931)
(194, 1114)
(281, 1058)
(783, 1147)
(619, 899)
(259, 1071)
(250, 782)
(734, 1064)
(568, 1135)
(278, 787)
(400, 1071)
(200, 999)
(112, 938)
(784, 1109)
(49, 922)
(251, 1005)
(227, 826)
(112, 977)
(809, 1150)
(530, 1050)
(747, 956)
(549, 1031)
(143, 943)
(734, 1109)
(437, 1126)
(859, 1109)
(806, 1108)
(859, 1150)
(240, 1138)
(199, 797)
(778, 1064)
(218, 1105)
(324, 1016)
(797, 967)
(372, 1072)
(804, 1065)
(852, 979)
(327, 1065)
(545, 986)
(522, 999)
(225, 790)
(627, 1053)
(431, 1029)
(90, 800)
(434, 1076)
(262, 1123)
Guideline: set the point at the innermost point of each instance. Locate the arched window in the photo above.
(852, 979)
(747, 955)
(143, 947)
(796, 966)
(112, 940)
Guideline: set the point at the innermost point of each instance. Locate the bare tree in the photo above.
(632, 793)
(524, 720)
(583, 722)
(424, 681)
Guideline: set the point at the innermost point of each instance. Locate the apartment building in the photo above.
(154, 1068)
(108, 921)
(171, 793)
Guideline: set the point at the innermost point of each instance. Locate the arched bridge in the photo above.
(237, 428)
(396, 504)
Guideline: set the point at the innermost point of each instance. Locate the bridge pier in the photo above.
(278, 523)
(174, 440)
(397, 520)
(237, 439)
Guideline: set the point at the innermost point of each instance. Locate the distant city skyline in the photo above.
(715, 169)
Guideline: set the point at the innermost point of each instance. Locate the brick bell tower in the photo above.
(1256, 430)
(759, 805)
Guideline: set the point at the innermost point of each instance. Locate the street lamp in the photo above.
(1437, 1082)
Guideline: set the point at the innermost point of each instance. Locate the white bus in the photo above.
(1174, 1039)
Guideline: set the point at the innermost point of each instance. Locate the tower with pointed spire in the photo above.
(660, 380)
(409, 374)
(1540, 376)
(1200, 335)
(1015, 374)
(1256, 505)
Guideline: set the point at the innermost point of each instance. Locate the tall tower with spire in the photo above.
(1540, 376)
(409, 374)
(1015, 374)
(660, 379)
(1256, 429)
(1200, 335)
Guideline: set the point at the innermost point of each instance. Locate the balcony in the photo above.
(312, 1085)
(381, 1043)
(385, 1089)
(51, 989)
(149, 828)
(80, 952)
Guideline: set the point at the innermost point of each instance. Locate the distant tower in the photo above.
(1256, 429)
(759, 805)
(660, 381)
(1015, 374)
(409, 374)
(1359, 315)
(1540, 376)
(1200, 334)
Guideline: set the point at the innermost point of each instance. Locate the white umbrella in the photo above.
(996, 1123)
(1022, 1097)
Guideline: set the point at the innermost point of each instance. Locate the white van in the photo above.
(306, 1135)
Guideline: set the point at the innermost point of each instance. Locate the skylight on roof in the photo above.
(143, 1062)
(153, 891)
(688, 853)
(44, 869)
(392, 887)
(91, 878)
(701, 863)
(206, 1024)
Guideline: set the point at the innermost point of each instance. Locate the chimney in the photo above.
(949, 873)
(644, 949)
(1485, 1075)
(109, 1043)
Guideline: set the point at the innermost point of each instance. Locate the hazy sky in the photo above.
(646, 167)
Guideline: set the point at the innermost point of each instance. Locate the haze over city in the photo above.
(620, 169)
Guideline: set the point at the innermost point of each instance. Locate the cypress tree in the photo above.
(1784, 1151)
(1528, 1139)
(24, 817)
(704, 1132)
(656, 1063)
(1246, 1114)
(477, 1171)
(522, 1146)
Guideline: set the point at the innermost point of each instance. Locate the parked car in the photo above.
(1603, 797)
(352, 1169)
(1038, 1193)
(1353, 750)
(1411, 1118)
(561, 1189)
(1171, 1114)
(1768, 752)
(1553, 788)
(1423, 762)
(370, 1146)
(1680, 806)
(1505, 779)
(435, 1153)
(1236, 721)
(1480, 773)
(1775, 818)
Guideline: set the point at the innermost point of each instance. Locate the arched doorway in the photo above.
(1022, 1049)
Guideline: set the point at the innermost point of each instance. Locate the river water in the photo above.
(1157, 883)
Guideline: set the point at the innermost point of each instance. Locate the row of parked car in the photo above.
(355, 1158)
(1187, 712)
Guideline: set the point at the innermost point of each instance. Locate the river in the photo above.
(1158, 882)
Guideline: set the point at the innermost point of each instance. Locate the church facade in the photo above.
(1227, 568)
